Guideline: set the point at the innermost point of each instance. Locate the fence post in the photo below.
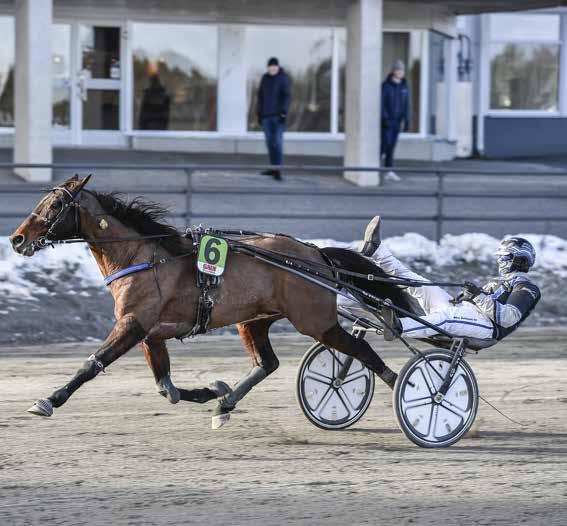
(188, 197)
(440, 195)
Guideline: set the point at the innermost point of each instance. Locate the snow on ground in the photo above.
(21, 276)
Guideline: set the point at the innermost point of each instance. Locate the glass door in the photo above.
(87, 84)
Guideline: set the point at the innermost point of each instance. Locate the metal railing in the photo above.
(438, 191)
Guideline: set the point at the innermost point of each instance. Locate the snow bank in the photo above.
(24, 277)
(466, 248)
(21, 276)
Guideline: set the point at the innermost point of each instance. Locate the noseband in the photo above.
(66, 205)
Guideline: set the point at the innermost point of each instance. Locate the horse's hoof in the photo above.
(166, 389)
(217, 421)
(41, 408)
(220, 388)
(221, 415)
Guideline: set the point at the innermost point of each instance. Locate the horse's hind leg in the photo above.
(157, 357)
(339, 339)
(254, 334)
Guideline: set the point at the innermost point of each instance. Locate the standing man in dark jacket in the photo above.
(395, 113)
(274, 97)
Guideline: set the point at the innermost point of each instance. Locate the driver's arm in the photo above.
(522, 299)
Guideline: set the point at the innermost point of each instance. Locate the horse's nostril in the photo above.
(17, 240)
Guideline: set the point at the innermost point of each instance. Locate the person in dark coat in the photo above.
(274, 97)
(395, 113)
(154, 110)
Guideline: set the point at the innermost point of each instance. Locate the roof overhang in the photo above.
(464, 7)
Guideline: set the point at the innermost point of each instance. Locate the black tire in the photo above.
(351, 402)
(420, 421)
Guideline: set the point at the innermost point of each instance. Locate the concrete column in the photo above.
(32, 142)
(451, 76)
(563, 66)
(363, 87)
(232, 103)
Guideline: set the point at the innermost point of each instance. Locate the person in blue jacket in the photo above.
(274, 98)
(395, 113)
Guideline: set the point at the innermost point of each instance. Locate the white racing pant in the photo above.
(461, 320)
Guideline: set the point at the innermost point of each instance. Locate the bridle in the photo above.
(72, 203)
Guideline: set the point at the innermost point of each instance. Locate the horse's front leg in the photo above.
(126, 333)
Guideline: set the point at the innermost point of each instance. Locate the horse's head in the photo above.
(56, 217)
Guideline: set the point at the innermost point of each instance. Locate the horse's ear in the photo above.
(73, 179)
(82, 183)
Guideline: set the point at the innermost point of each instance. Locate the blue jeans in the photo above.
(388, 143)
(273, 132)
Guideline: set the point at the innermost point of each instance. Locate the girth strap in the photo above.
(125, 271)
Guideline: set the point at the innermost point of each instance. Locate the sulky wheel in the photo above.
(424, 421)
(326, 400)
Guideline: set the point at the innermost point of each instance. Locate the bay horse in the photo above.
(155, 305)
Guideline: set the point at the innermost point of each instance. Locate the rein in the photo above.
(290, 261)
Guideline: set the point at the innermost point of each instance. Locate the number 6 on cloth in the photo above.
(212, 255)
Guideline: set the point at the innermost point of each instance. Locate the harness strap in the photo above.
(125, 271)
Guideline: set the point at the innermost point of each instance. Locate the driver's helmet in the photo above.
(515, 254)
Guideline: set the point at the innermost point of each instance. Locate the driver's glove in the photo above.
(470, 290)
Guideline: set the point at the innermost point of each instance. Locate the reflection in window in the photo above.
(101, 51)
(61, 74)
(7, 54)
(524, 76)
(175, 77)
(437, 84)
(514, 26)
(403, 46)
(306, 55)
(101, 110)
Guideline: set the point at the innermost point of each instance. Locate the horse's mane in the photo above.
(145, 217)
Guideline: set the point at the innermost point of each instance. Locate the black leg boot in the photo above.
(372, 238)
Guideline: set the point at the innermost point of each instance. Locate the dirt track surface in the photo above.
(118, 453)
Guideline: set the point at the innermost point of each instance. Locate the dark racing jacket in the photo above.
(508, 303)
(395, 102)
(274, 95)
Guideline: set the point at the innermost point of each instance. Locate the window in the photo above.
(438, 84)
(61, 74)
(405, 46)
(306, 56)
(175, 77)
(524, 62)
(7, 54)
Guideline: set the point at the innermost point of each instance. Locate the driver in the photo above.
(488, 313)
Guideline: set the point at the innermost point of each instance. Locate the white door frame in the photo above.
(76, 135)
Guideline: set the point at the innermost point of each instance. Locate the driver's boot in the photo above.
(372, 239)
(392, 324)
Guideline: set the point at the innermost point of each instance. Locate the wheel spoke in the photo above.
(427, 376)
(420, 402)
(360, 375)
(324, 399)
(456, 377)
(337, 362)
(347, 404)
(321, 378)
(433, 423)
(452, 408)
